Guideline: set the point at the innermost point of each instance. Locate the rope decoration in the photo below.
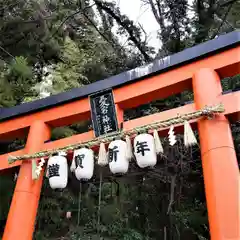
(207, 111)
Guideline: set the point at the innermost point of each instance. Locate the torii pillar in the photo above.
(219, 162)
(23, 210)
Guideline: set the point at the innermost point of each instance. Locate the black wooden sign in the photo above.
(103, 113)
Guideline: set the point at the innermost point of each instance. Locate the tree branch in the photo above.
(101, 34)
(127, 27)
(223, 20)
(68, 17)
(8, 53)
(227, 22)
(155, 13)
(146, 36)
(225, 4)
(176, 26)
(173, 182)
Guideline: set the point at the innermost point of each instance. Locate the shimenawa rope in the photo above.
(207, 111)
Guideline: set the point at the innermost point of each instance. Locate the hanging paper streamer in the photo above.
(117, 157)
(157, 141)
(57, 171)
(102, 155)
(171, 136)
(39, 167)
(144, 150)
(189, 137)
(84, 163)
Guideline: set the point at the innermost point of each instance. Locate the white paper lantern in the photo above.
(83, 160)
(117, 156)
(144, 150)
(57, 171)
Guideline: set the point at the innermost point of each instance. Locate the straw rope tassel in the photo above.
(34, 168)
(47, 172)
(73, 165)
(189, 137)
(157, 141)
(129, 148)
(102, 155)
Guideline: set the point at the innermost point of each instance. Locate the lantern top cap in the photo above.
(60, 153)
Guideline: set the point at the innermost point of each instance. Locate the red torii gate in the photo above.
(199, 68)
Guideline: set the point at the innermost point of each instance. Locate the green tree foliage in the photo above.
(25, 30)
(15, 80)
(68, 73)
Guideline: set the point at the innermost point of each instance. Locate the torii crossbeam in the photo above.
(199, 68)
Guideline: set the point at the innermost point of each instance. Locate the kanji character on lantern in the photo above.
(142, 147)
(78, 160)
(57, 171)
(113, 153)
(118, 162)
(83, 163)
(144, 150)
(53, 170)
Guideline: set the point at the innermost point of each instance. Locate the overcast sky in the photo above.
(142, 14)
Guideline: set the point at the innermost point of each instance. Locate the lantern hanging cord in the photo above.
(99, 204)
(207, 111)
(79, 203)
